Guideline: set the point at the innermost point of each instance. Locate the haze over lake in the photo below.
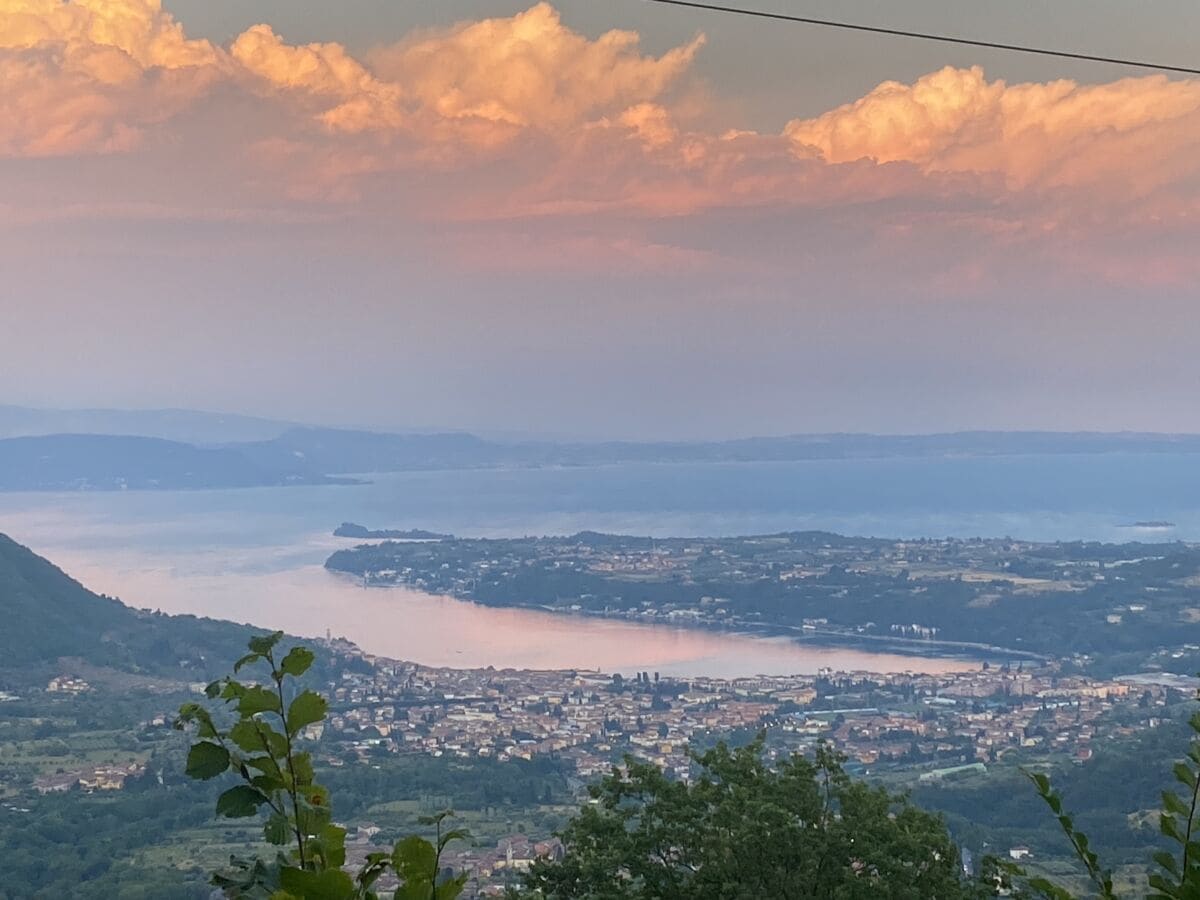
(255, 555)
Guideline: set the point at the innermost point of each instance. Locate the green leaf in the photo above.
(265, 764)
(1167, 861)
(1048, 889)
(1173, 803)
(213, 690)
(257, 699)
(297, 662)
(277, 830)
(207, 760)
(416, 889)
(232, 689)
(376, 865)
(266, 643)
(194, 712)
(415, 859)
(1166, 824)
(332, 884)
(246, 660)
(303, 769)
(306, 709)
(1042, 782)
(1161, 884)
(240, 802)
(455, 834)
(451, 887)
(268, 784)
(1185, 775)
(331, 844)
(255, 736)
(314, 812)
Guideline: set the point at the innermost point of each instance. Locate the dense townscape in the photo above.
(929, 723)
(914, 729)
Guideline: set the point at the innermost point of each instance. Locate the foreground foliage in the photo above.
(746, 829)
(1178, 877)
(261, 747)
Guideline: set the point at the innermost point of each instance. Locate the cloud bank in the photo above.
(521, 119)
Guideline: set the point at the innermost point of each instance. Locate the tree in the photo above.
(745, 829)
(261, 749)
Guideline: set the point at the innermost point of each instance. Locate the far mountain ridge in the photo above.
(188, 426)
(310, 455)
(63, 462)
(346, 451)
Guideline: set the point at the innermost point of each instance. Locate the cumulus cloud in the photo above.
(1054, 134)
(482, 82)
(531, 70)
(88, 75)
(139, 29)
(322, 71)
(589, 127)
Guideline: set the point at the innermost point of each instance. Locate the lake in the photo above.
(255, 555)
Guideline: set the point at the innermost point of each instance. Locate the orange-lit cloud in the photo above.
(477, 82)
(325, 72)
(531, 70)
(521, 117)
(88, 76)
(1055, 134)
(137, 29)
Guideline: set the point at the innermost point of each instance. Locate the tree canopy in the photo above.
(746, 828)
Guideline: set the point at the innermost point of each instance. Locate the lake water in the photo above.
(255, 555)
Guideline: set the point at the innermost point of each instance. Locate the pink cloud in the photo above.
(89, 76)
(1033, 135)
(522, 120)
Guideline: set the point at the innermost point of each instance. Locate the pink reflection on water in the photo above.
(443, 631)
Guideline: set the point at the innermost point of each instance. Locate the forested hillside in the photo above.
(47, 615)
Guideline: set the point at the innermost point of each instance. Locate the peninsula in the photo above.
(353, 530)
(1109, 607)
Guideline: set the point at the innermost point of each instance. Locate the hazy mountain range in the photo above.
(236, 451)
(184, 425)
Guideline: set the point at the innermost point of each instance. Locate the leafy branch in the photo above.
(1179, 878)
(261, 748)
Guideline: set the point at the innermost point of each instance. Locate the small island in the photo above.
(353, 530)
(1155, 524)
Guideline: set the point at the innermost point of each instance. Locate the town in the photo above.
(593, 719)
(904, 729)
(910, 728)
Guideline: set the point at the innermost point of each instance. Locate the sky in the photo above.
(601, 219)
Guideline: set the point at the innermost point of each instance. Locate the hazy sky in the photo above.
(600, 218)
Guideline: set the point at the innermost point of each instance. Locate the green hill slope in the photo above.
(46, 615)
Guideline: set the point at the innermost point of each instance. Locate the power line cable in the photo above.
(926, 36)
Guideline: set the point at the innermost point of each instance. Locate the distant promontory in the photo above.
(353, 530)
